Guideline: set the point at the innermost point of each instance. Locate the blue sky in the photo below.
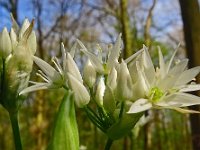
(165, 11)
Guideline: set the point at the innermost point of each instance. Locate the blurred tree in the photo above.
(11, 6)
(126, 29)
(191, 23)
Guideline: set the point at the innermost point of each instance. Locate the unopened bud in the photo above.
(5, 44)
(89, 74)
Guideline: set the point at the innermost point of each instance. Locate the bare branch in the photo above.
(148, 24)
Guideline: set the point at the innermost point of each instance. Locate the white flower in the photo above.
(72, 68)
(100, 91)
(89, 74)
(5, 44)
(112, 79)
(113, 55)
(54, 78)
(81, 94)
(124, 83)
(164, 87)
(16, 64)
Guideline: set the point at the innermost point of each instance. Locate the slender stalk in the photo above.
(121, 110)
(15, 128)
(108, 144)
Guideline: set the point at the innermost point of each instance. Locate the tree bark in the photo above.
(126, 29)
(191, 23)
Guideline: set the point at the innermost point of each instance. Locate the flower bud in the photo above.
(72, 68)
(124, 83)
(18, 65)
(81, 94)
(32, 42)
(5, 44)
(112, 79)
(13, 38)
(100, 92)
(89, 74)
(24, 27)
(109, 100)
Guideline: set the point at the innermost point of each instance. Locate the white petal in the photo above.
(188, 75)
(63, 52)
(190, 88)
(148, 66)
(89, 74)
(5, 44)
(140, 106)
(115, 52)
(167, 82)
(72, 68)
(47, 69)
(142, 79)
(179, 68)
(109, 100)
(172, 58)
(73, 50)
(27, 34)
(100, 92)
(161, 63)
(112, 79)
(13, 38)
(36, 87)
(14, 24)
(81, 94)
(182, 99)
(170, 79)
(24, 27)
(32, 42)
(132, 57)
(94, 59)
(124, 83)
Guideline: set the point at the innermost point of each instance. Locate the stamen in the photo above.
(44, 75)
(57, 64)
(38, 74)
(155, 94)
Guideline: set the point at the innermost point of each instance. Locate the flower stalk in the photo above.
(15, 128)
(108, 144)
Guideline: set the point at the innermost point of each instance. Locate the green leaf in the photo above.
(123, 126)
(65, 132)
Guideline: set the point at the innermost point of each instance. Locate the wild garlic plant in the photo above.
(17, 48)
(113, 92)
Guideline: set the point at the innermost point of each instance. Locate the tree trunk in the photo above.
(126, 29)
(191, 23)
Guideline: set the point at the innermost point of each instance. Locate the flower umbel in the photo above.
(16, 56)
(165, 86)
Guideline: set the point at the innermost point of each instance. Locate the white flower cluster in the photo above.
(133, 81)
(17, 48)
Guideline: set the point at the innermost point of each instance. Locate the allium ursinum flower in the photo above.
(16, 56)
(53, 77)
(165, 86)
(124, 83)
(81, 94)
(100, 91)
(66, 75)
(89, 74)
(101, 66)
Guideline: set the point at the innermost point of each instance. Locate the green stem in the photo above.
(108, 144)
(15, 128)
(121, 110)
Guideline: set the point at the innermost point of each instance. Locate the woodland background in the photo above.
(163, 23)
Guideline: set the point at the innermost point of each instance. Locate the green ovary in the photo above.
(155, 94)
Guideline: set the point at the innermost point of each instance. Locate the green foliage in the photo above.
(65, 132)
